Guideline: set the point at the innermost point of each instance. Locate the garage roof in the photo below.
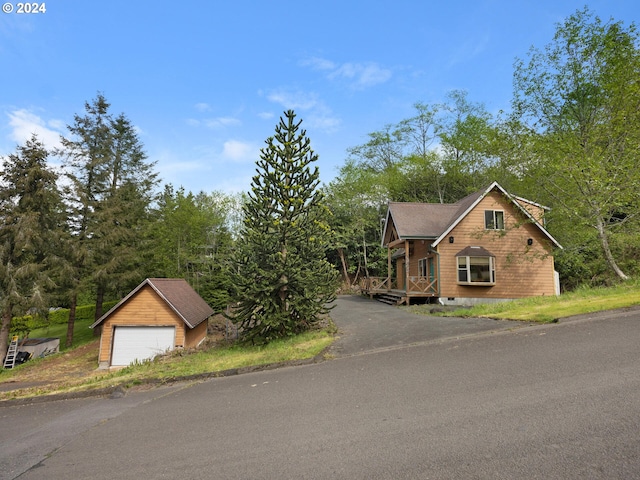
(178, 294)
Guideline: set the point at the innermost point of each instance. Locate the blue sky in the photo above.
(204, 82)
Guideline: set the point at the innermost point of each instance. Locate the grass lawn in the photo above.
(81, 333)
(550, 309)
(76, 369)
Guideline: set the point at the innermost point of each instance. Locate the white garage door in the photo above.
(140, 343)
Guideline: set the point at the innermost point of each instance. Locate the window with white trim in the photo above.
(422, 267)
(476, 270)
(494, 219)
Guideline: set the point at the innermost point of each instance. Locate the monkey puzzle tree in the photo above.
(283, 281)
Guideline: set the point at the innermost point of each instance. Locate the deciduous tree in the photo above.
(580, 97)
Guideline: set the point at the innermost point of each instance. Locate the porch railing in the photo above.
(420, 285)
(381, 284)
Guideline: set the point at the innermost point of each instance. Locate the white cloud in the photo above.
(221, 122)
(24, 123)
(468, 50)
(203, 107)
(238, 151)
(318, 63)
(317, 113)
(294, 99)
(214, 123)
(360, 75)
(324, 122)
(266, 115)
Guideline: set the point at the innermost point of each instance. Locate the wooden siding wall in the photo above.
(419, 249)
(193, 336)
(145, 308)
(521, 270)
(534, 210)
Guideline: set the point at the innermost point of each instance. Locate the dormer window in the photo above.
(494, 219)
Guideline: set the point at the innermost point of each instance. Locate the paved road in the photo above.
(549, 402)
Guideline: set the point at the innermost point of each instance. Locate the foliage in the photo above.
(111, 187)
(579, 99)
(358, 202)
(284, 282)
(192, 239)
(59, 316)
(31, 222)
(441, 154)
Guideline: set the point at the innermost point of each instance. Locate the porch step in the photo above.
(390, 298)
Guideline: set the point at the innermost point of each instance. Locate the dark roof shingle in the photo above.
(180, 297)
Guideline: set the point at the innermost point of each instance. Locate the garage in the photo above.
(159, 315)
(131, 344)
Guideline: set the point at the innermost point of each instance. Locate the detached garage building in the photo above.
(159, 315)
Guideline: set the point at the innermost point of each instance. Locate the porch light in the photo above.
(450, 239)
(529, 241)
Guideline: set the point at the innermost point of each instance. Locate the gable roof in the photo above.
(436, 220)
(425, 220)
(177, 294)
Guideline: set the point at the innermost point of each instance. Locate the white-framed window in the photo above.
(422, 267)
(476, 270)
(494, 219)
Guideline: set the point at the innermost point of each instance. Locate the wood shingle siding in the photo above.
(521, 270)
(518, 250)
(157, 303)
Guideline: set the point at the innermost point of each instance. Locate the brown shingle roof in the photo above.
(435, 220)
(427, 220)
(178, 294)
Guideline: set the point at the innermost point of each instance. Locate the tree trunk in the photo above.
(72, 320)
(364, 254)
(345, 273)
(5, 329)
(604, 242)
(99, 302)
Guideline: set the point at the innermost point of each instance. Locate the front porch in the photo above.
(417, 273)
(385, 289)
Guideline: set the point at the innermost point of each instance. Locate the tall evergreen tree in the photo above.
(30, 222)
(284, 282)
(112, 185)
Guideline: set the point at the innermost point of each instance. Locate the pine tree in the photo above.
(111, 188)
(31, 219)
(284, 282)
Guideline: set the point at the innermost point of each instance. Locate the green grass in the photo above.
(177, 365)
(81, 333)
(304, 346)
(550, 309)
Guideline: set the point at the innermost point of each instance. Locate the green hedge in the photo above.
(56, 317)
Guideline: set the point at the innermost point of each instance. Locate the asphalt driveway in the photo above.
(366, 325)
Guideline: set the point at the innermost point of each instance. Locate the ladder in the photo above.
(10, 359)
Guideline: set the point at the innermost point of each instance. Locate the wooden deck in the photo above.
(385, 289)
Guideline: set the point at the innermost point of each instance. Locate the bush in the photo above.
(60, 316)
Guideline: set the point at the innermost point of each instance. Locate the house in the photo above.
(490, 246)
(159, 315)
